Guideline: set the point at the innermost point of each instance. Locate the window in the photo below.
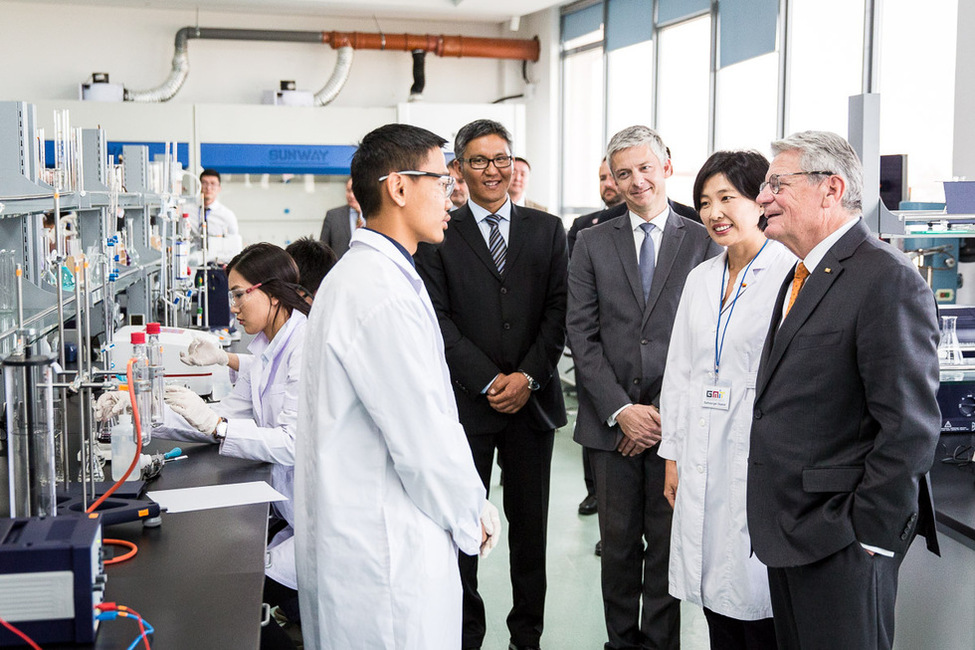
(582, 128)
(913, 86)
(629, 88)
(683, 85)
(746, 105)
(824, 70)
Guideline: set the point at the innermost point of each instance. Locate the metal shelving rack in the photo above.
(25, 197)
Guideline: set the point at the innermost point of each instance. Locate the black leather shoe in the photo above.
(588, 505)
(599, 547)
(512, 646)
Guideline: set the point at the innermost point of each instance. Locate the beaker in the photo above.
(949, 350)
(29, 396)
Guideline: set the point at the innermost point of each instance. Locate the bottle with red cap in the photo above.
(141, 384)
(157, 373)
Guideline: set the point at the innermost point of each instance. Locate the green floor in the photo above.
(573, 608)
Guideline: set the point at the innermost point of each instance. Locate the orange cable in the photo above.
(121, 558)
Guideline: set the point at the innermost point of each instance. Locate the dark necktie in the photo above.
(496, 242)
(646, 259)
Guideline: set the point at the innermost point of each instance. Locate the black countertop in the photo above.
(197, 578)
(954, 490)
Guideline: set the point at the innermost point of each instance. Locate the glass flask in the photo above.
(949, 350)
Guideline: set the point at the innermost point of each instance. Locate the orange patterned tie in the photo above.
(801, 274)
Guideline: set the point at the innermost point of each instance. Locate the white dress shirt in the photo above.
(221, 220)
(657, 234)
(504, 225)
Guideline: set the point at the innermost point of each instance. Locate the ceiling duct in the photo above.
(345, 43)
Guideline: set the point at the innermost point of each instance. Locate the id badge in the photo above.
(716, 396)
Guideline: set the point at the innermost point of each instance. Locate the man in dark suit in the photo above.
(498, 283)
(340, 223)
(845, 417)
(625, 281)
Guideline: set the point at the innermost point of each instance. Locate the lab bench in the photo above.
(197, 578)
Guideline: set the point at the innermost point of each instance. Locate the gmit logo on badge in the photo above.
(714, 393)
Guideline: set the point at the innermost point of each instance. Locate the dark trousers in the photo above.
(273, 637)
(526, 455)
(728, 633)
(632, 509)
(845, 600)
(587, 473)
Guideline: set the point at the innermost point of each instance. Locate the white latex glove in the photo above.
(491, 521)
(204, 352)
(112, 403)
(193, 409)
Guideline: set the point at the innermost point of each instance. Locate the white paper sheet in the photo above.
(215, 496)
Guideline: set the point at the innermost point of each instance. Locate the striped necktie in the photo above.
(496, 242)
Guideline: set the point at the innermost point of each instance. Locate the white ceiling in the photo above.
(460, 10)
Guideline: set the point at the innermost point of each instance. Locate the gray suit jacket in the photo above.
(845, 419)
(619, 341)
(336, 230)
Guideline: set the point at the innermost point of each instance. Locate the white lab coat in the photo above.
(386, 489)
(262, 415)
(711, 563)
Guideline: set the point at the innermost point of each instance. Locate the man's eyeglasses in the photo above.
(446, 180)
(235, 295)
(480, 162)
(773, 181)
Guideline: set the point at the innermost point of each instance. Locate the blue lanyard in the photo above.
(719, 348)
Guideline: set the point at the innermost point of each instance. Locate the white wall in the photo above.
(542, 107)
(57, 47)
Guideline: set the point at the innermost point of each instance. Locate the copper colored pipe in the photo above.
(459, 46)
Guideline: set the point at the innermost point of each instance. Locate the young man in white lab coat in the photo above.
(385, 486)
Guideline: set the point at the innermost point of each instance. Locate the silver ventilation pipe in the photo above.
(178, 74)
(339, 76)
(181, 62)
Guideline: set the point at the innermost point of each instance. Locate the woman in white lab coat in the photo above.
(258, 419)
(706, 405)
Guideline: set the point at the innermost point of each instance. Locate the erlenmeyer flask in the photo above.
(949, 350)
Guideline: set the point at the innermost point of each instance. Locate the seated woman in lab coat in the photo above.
(257, 420)
(706, 404)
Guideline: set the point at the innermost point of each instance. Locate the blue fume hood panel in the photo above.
(277, 158)
(114, 148)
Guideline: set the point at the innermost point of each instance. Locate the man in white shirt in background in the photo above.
(221, 221)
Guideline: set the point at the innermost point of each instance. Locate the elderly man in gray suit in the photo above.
(845, 419)
(625, 280)
(341, 222)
